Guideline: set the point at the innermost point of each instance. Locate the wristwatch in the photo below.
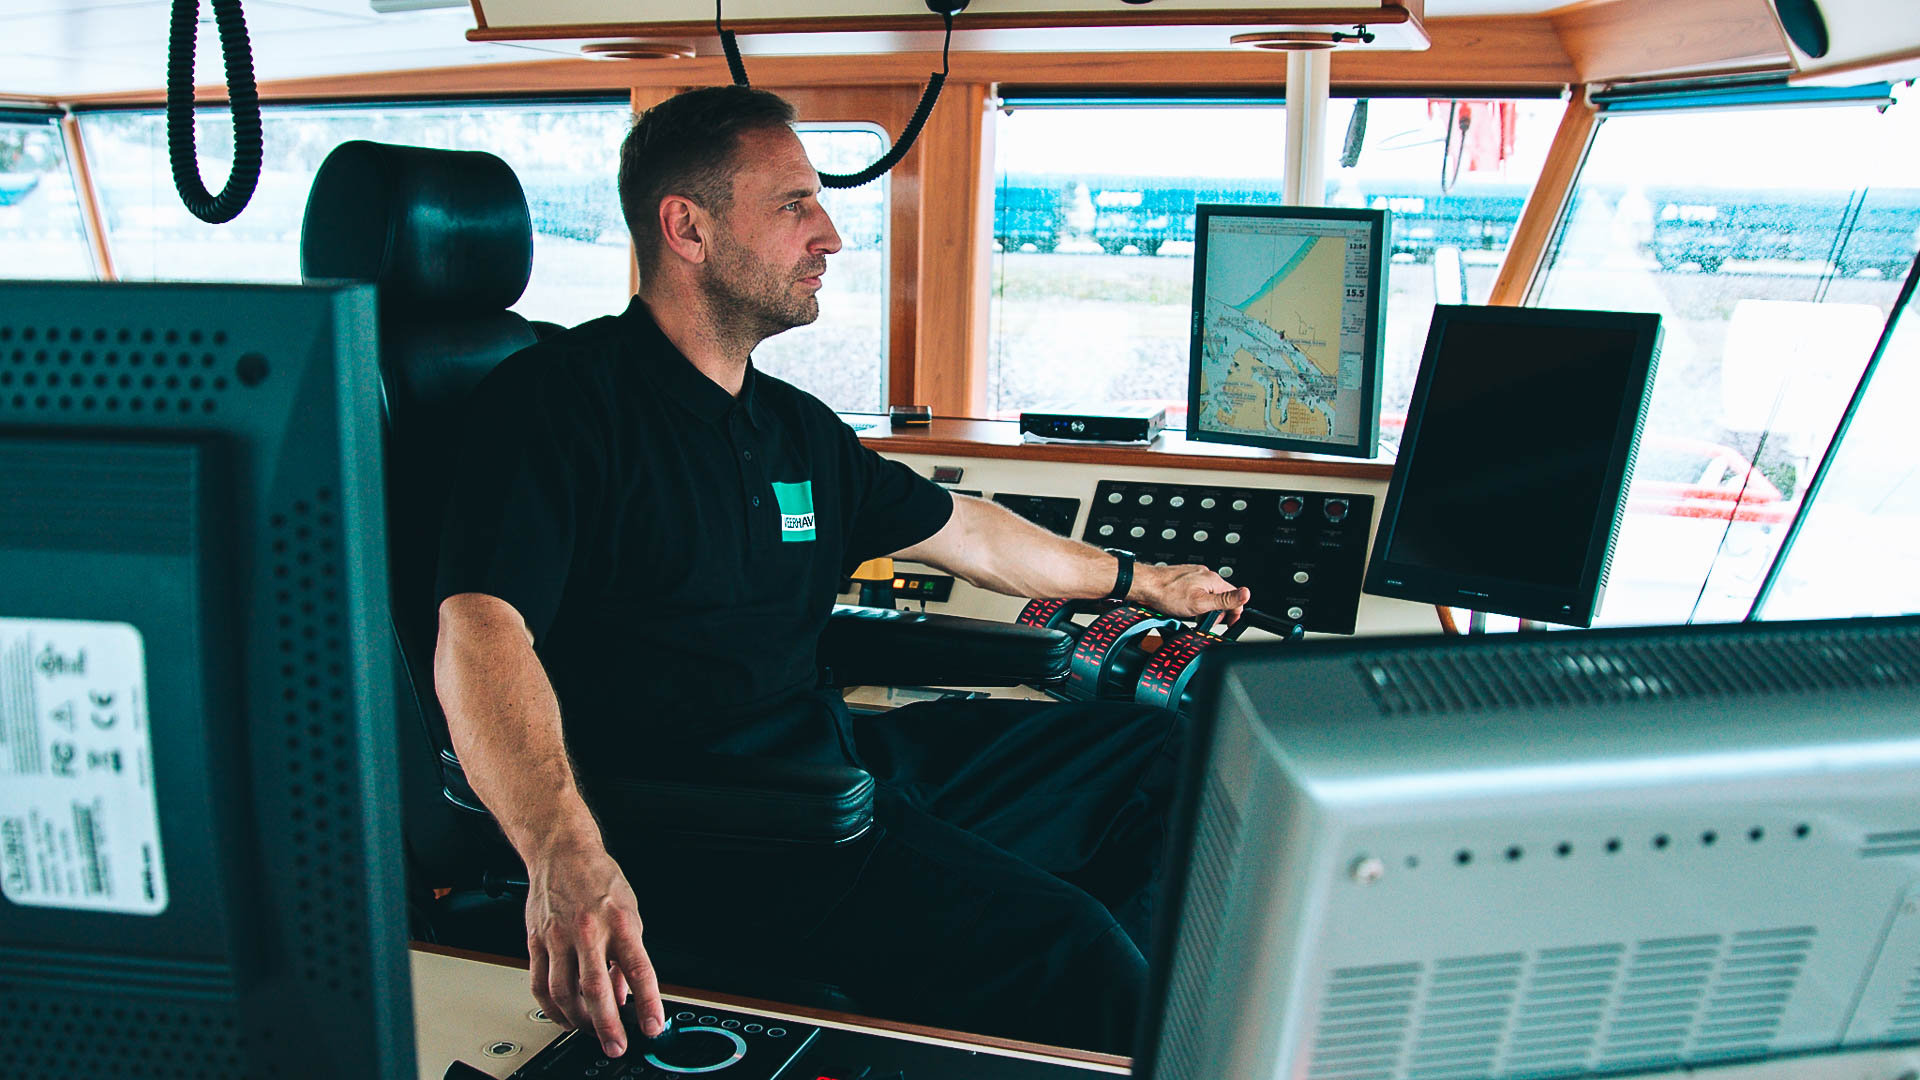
(1123, 579)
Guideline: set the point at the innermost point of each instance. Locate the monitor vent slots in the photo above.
(1906, 1017)
(1603, 1007)
(317, 739)
(61, 1032)
(1201, 925)
(1414, 684)
(72, 496)
(118, 370)
(1888, 844)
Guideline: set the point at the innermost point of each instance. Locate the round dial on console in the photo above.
(700, 1049)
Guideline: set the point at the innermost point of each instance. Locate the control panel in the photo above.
(731, 1044)
(1050, 512)
(1303, 553)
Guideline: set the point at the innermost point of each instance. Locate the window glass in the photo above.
(41, 231)
(1454, 175)
(1093, 238)
(1093, 230)
(1773, 243)
(566, 157)
(1861, 542)
(842, 358)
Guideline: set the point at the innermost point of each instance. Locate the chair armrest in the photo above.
(877, 646)
(720, 796)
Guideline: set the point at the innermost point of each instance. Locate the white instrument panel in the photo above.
(990, 476)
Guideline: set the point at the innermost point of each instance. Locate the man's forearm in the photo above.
(505, 722)
(1009, 554)
(993, 548)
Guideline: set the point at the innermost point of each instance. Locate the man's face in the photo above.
(774, 239)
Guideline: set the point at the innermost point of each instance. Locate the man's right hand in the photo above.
(583, 946)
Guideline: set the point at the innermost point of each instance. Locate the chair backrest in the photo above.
(446, 238)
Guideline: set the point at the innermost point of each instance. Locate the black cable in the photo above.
(731, 48)
(243, 100)
(900, 146)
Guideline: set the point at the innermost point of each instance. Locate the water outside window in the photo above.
(1773, 242)
(566, 157)
(1093, 230)
(842, 358)
(41, 230)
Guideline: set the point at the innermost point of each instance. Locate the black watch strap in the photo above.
(1123, 577)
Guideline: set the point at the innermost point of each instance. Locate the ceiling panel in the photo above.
(61, 48)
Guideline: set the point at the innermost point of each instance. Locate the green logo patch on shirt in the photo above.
(796, 510)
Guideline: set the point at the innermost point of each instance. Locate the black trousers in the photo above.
(1007, 887)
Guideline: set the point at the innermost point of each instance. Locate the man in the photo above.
(647, 539)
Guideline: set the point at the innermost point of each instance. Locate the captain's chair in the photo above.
(446, 238)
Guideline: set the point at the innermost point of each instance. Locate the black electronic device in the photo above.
(200, 815)
(1115, 425)
(1053, 513)
(740, 1044)
(701, 1039)
(1289, 303)
(1302, 552)
(1512, 476)
(909, 416)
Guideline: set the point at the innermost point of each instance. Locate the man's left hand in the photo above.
(1187, 591)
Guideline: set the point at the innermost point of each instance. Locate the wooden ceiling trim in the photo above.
(1611, 40)
(1388, 14)
(1519, 52)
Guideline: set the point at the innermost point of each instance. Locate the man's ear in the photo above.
(686, 227)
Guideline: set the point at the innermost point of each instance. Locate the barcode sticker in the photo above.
(79, 821)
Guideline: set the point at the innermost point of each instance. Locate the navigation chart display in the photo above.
(1287, 307)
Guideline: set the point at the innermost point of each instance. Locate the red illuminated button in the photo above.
(1336, 510)
(1291, 506)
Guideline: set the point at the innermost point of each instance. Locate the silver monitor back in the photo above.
(1549, 855)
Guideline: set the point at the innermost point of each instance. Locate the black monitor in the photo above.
(1584, 854)
(200, 854)
(1288, 304)
(1507, 493)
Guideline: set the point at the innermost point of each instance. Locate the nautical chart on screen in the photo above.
(1283, 335)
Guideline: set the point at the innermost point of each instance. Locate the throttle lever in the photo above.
(1284, 629)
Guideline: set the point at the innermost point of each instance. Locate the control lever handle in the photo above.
(1284, 629)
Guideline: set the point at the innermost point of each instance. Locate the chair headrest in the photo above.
(440, 229)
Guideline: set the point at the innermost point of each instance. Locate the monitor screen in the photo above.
(1288, 302)
(1509, 481)
(1583, 854)
(200, 860)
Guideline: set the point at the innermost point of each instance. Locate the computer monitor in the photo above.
(1511, 477)
(200, 855)
(1288, 304)
(1557, 854)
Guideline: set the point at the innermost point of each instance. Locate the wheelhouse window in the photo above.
(1773, 241)
(842, 357)
(1455, 175)
(1093, 238)
(41, 230)
(1861, 538)
(565, 154)
(1093, 228)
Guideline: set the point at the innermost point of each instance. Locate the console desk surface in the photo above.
(477, 1008)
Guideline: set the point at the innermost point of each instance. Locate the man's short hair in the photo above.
(684, 146)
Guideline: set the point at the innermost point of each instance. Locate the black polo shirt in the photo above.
(674, 550)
